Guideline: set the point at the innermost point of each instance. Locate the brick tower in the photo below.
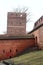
(16, 24)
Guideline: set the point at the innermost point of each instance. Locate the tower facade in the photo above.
(16, 23)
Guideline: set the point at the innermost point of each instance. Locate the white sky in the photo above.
(35, 8)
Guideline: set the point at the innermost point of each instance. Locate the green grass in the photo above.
(30, 58)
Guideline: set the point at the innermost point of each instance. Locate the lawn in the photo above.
(30, 58)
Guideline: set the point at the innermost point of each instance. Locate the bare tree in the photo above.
(23, 10)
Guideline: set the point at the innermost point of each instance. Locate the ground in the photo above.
(30, 58)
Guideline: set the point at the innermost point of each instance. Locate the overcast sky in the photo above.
(35, 8)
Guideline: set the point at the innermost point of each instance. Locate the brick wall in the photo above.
(39, 34)
(11, 48)
(36, 34)
(41, 37)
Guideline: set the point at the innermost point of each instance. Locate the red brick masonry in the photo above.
(38, 32)
(12, 47)
(16, 23)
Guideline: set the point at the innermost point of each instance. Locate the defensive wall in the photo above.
(38, 32)
(11, 46)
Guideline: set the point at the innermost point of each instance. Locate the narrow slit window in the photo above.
(3, 51)
(10, 57)
(10, 50)
(16, 50)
